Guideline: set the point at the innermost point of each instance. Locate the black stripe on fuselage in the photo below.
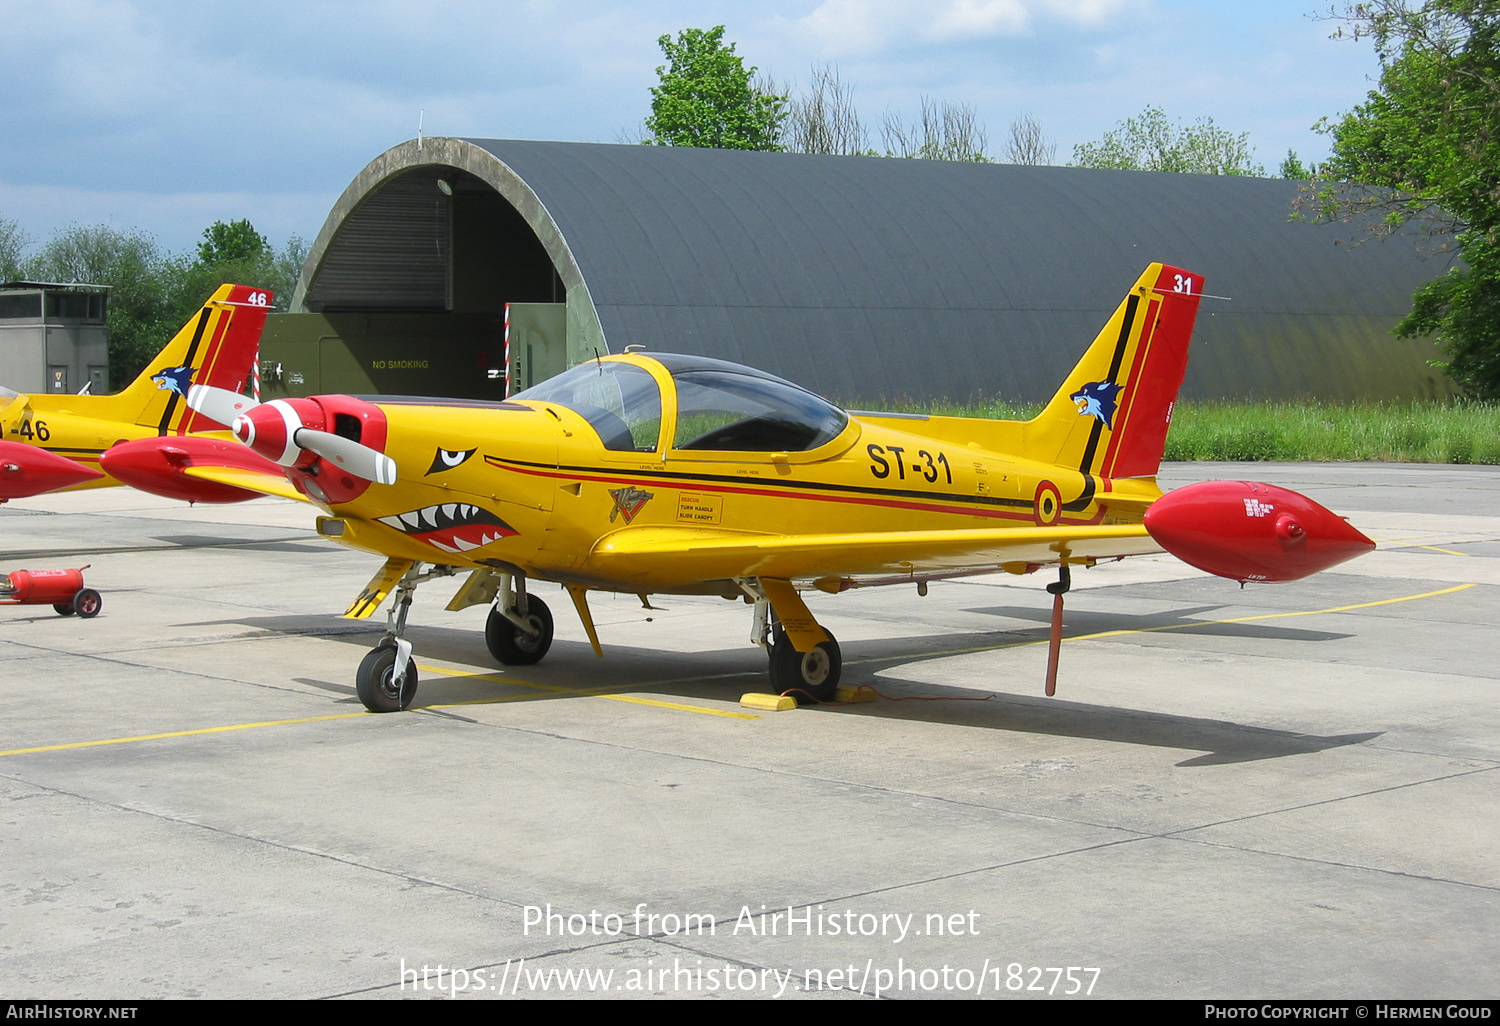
(669, 475)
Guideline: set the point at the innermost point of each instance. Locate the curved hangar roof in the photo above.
(864, 277)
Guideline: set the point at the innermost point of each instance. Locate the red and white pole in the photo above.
(255, 376)
(507, 351)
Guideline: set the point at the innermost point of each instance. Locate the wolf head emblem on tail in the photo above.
(1097, 399)
(174, 379)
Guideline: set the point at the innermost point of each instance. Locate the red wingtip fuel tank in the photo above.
(156, 465)
(26, 470)
(1248, 531)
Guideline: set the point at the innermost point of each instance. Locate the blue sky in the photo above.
(167, 115)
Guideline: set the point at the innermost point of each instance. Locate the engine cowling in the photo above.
(1250, 531)
(329, 446)
(26, 470)
(270, 429)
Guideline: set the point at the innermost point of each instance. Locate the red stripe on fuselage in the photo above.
(714, 486)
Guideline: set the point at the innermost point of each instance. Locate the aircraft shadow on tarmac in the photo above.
(1177, 621)
(572, 671)
(196, 541)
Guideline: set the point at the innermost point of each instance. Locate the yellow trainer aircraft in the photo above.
(654, 473)
(52, 442)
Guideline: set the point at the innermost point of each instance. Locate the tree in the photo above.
(152, 294)
(233, 252)
(1422, 153)
(823, 120)
(1027, 145)
(705, 97)
(1292, 167)
(237, 240)
(12, 241)
(944, 131)
(134, 268)
(1149, 142)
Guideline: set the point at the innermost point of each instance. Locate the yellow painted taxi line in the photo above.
(560, 690)
(1450, 552)
(183, 733)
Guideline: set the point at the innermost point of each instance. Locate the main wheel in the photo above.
(376, 683)
(87, 603)
(64, 608)
(812, 674)
(512, 646)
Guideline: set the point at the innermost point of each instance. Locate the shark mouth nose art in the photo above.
(451, 526)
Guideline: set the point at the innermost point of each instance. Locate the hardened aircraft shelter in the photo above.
(863, 278)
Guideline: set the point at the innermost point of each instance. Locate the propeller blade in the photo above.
(219, 404)
(359, 460)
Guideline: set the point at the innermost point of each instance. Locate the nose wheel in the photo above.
(387, 678)
(380, 686)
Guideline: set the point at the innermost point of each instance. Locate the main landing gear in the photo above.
(805, 658)
(518, 632)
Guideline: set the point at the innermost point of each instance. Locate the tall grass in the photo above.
(1411, 432)
(1415, 432)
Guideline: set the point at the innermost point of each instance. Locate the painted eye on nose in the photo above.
(447, 459)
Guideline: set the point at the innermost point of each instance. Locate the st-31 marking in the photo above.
(926, 466)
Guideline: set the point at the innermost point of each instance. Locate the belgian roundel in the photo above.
(1048, 504)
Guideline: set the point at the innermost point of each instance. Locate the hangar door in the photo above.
(410, 298)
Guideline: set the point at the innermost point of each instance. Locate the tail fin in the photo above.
(1110, 417)
(216, 347)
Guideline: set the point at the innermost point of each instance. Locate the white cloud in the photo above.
(965, 19)
(865, 27)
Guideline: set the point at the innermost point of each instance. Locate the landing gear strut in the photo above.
(387, 678)
(519, 630)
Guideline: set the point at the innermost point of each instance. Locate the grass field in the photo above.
(1417, 432)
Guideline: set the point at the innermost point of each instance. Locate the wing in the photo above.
(658, 555)
(250, 480)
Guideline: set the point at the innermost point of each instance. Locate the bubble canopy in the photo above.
(721, 406)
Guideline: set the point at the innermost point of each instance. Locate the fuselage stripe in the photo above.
(709, 483)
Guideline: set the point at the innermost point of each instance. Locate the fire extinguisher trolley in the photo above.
(63, 590)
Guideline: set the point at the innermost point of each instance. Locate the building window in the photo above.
(20, 304)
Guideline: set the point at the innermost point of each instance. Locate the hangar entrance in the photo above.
(410, 298)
